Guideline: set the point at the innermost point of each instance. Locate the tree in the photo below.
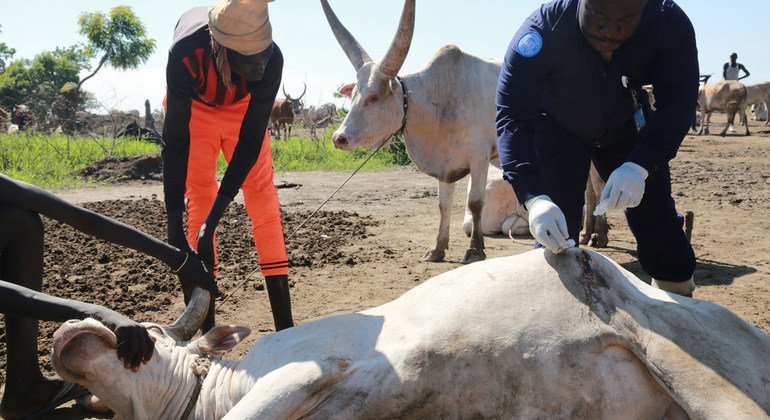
(6, 53)
(120, 39)
(37, 82)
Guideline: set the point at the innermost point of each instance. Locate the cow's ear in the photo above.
(347, 90)
(218, 340)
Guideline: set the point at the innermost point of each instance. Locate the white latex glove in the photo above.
(548, 225)
(624, 189)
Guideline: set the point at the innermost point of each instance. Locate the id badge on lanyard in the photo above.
(639, 121)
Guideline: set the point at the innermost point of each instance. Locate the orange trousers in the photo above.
(217, 128)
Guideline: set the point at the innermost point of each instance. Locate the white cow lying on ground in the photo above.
(759, 112)
(535, 335)
(758, 94)
(502, 213)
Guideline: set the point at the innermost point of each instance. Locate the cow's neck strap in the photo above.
(406, 105)
(200, 367)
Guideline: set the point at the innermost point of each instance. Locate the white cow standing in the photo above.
(446, 112)
(536, 335)
(314, 117)
(727, 96)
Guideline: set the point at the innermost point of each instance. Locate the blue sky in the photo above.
(480, 27)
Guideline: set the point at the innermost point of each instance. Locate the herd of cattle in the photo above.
(288, 110)
(533, 335)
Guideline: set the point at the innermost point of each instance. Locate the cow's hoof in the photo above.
(473, 255)
(434, 255)
(584, 238)
(598, 241)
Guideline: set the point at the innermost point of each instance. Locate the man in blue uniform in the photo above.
(570, 92)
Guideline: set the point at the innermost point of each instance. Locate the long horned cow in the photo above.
(536, 335)
(446, 112)
(282, 115)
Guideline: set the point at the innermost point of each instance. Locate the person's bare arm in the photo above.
(134, 344)
(747, 74)
(27, 196)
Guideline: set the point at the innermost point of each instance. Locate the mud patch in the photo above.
(145, 167)
(83, 268)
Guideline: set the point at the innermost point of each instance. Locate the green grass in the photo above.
(302, 154)
(50, 161)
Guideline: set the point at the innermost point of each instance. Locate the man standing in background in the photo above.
(732, 70)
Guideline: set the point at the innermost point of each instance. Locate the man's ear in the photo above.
(347, 90)
(218, 340)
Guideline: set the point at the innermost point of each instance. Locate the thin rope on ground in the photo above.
(301, 225)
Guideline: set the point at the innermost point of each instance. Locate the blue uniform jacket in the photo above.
(551, 69)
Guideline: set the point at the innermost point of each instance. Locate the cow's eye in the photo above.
(371, 99)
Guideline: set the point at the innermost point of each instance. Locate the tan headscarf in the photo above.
(241, 25)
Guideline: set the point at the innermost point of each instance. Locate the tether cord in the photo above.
(301, 225)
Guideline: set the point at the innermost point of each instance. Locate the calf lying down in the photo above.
(532, 335)
(502, 213)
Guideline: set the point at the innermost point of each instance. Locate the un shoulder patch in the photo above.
(530, 44)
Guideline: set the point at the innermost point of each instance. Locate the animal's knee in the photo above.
(475, 207)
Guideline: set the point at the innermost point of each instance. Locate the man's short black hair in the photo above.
(733, 55)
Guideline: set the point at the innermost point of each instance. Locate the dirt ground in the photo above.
(364, 249)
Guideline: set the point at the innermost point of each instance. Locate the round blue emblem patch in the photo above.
(530, 44)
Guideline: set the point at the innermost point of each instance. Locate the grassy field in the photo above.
(50, 161)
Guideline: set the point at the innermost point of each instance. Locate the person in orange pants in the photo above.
(216, 128)
(223, 74)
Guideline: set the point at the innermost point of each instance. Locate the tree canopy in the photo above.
(6, 53)
(37, 82)
(118, 39)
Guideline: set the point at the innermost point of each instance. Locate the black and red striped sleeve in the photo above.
(176, 131)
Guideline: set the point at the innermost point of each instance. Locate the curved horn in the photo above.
(303, 91)
(355, 52)
(396, 54)
(283, 88)
(191, 320)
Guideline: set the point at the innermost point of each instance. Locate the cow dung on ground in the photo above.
(145, 167)
(81, 267)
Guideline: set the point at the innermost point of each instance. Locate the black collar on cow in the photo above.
(406, 105)
(200, 369)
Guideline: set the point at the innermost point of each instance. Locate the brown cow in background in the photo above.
(282, 115)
